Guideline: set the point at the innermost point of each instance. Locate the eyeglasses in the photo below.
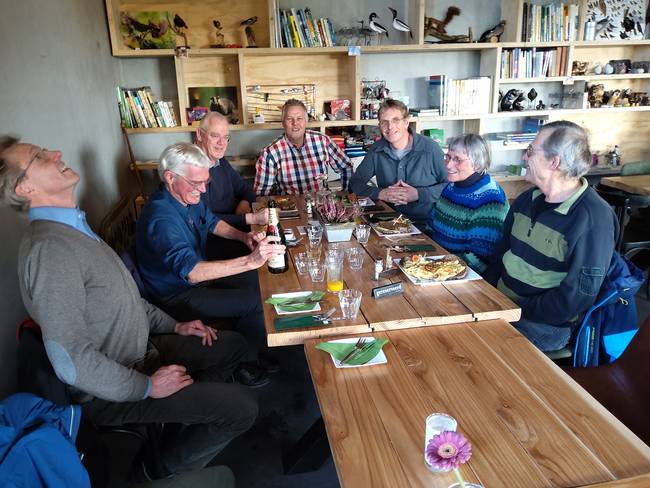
(196, 185)
(388, 122)
(531, 149)
(39, 155)
(455, 159)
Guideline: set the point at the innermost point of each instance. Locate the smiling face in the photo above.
(214, 139)
(539, 169)
(459, 166)
(46, 179)
(187, 188)
(394, 127)
(295, 123)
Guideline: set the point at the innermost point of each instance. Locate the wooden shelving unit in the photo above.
(338, 74)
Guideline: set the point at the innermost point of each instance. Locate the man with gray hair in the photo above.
(558, 239)
(125, 361)
(171, 237)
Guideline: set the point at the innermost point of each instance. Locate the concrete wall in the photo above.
(57, 90)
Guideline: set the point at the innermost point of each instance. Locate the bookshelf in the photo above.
(336, 74)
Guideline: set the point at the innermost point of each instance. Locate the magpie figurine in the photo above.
(494, 32)
(400, 25)
(380, 29)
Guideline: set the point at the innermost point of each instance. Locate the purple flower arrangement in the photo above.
(447, 451)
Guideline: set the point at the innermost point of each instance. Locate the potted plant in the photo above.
(337, 219)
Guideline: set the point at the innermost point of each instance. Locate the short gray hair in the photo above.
(476, 149)
(176, 156)
(10, 176)
(209, 117)
(570, 143)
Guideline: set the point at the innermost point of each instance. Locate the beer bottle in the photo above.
(276, 264)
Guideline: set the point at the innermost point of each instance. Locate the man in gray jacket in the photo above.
(409, 168)
(125, 360)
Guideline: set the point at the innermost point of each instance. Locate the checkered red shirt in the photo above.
(295, 168)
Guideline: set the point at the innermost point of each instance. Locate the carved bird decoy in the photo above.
(495, 31)
(179, 23)
(216, 24)
(248, 29)
(248, 21)
(400, 25)
(380, 29)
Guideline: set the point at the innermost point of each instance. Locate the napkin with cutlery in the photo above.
(297, 304)
(340, 350)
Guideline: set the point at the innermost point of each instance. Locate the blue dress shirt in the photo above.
(170, 241)
(73, 217)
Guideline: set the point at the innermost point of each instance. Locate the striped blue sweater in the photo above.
(468, 221)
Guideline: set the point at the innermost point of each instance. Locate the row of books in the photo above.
(298, 28)
(533, 63)
(549, 23)
(448, 96)
(139, 109)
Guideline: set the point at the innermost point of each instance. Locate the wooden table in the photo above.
(529, 423)
(637, 184)
(419, 306)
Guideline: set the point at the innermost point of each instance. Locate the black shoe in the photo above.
(268, 363)
(249, 374)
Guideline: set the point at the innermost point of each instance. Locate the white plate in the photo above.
(315, 308)
(471, 274)
(365, 201)
(414, 231)
(380, 358)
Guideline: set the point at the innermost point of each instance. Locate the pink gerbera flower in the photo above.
(448, 450)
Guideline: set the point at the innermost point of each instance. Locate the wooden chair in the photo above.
(623, 387)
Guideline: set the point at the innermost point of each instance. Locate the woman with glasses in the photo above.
(467, 219)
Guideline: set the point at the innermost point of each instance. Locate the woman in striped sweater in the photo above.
(468, 218)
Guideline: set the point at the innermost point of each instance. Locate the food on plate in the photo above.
(399, 225)
(447, 268)
(286, 203)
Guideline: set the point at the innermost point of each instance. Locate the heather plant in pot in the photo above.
(337, 219)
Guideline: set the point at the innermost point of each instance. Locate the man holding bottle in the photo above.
(171, 235)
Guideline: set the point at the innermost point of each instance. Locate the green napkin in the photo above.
(419, 247)
(281, 323)
(340, 349)
(297, 304)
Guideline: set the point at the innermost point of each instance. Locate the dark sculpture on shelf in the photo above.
(532, 95)
(437, 28)
(596, 96)
(519, 102)
(508, 100)
(179, 27)
(540, 105)
(248, 29)
(579, 68)
(493, 34)
(221, 41)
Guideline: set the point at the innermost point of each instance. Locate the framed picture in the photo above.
(222, 99)
(147, 30)
(618, 19)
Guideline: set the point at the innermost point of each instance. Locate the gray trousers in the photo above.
(201, 419)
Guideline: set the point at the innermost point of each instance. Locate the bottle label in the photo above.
(276, 262)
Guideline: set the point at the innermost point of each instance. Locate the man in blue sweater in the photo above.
(227, 195)
(558, 239)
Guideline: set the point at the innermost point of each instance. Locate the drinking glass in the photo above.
(335, 252)
(301, 263)
(355, 257)
(314, 252)
(334, 281)
(434, 424)
(350, 301)
(315, 235)
(316, 270)
(362, 232)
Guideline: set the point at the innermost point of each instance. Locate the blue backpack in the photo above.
(37, 444)
(611, 322)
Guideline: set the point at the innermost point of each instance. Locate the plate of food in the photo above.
(399, 226)
(286, 203)
(430, 270)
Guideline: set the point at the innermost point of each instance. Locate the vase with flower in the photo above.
(446, 451)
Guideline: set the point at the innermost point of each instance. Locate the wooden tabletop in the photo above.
(637, 184)
(529, 423)
(419, 306)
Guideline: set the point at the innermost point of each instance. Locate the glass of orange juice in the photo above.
(334, 280)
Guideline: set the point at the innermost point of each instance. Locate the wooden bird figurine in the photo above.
(399, 24)
(218, 35)
(493, 34)
(250, 36)
(179, 26)
(378, 28)
(440, 25)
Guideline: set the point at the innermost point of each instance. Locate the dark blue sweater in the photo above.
(225, 191)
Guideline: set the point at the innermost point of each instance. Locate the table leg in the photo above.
(310, 452)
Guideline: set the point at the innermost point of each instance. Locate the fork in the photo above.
(357, 347)
(366, 347)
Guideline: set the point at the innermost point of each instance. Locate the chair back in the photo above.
(637, 168)
(637, 355)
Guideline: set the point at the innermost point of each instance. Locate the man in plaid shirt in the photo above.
(293, 163)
